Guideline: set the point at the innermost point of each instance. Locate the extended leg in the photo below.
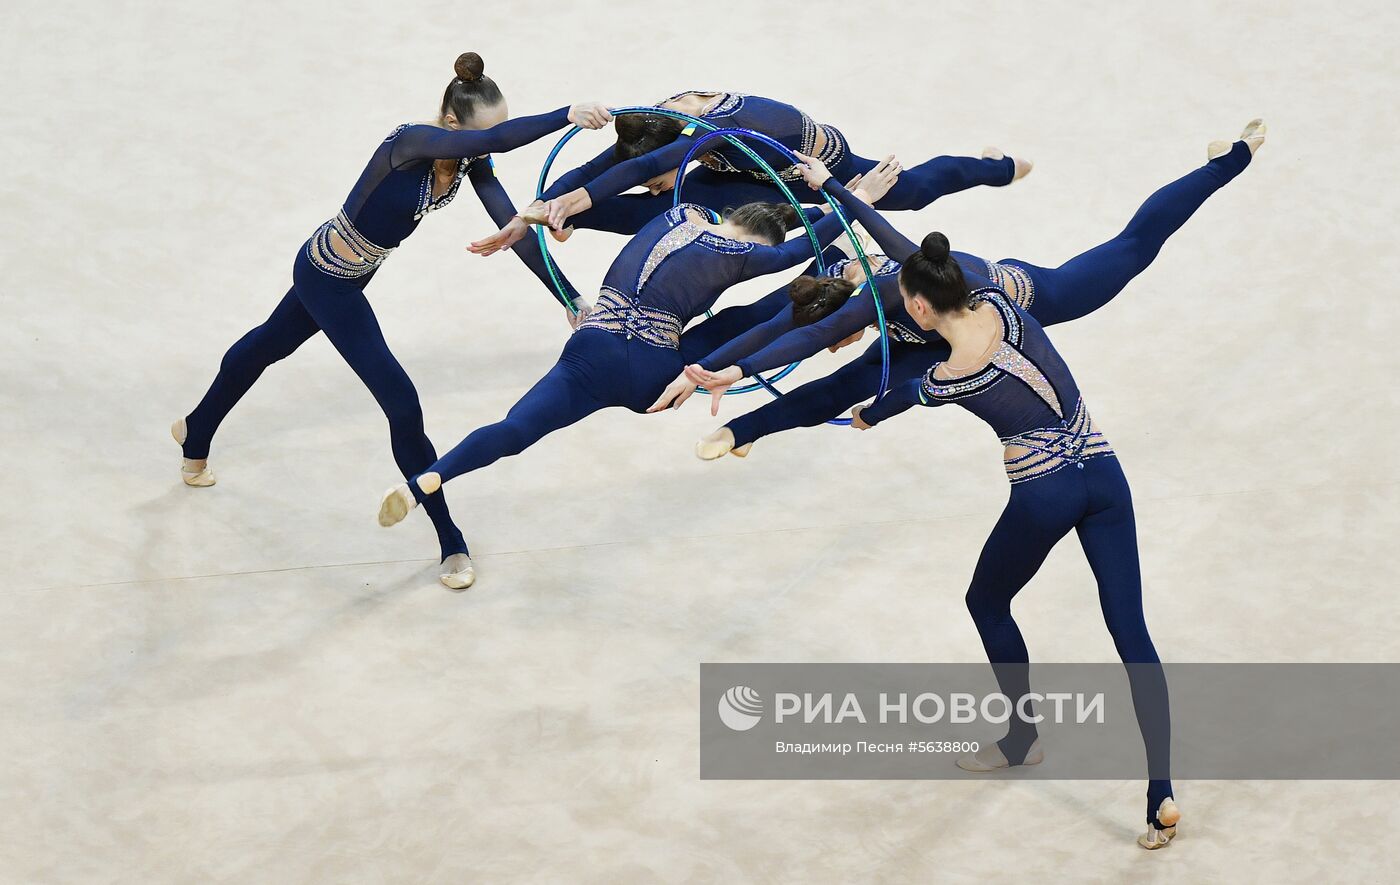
(283, 332)
(938, 177)
(557, 400)
(1109, 538)
(1089, 281)
(349, 322)
(1037, 516)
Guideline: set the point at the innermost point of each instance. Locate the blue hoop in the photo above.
(732, 136)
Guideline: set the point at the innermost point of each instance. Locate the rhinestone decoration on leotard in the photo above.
(621, 314)
(1010, 320)
(1051, 448)
(1012, 361)
(683, 234)
(323, 255)
(724, 245)
(729, 102)
(898, 333)
(880, 265)
(426, 202)
(1014, 281)
(957, 388)
(678, 237)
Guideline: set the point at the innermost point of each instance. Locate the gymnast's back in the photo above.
(677, 264)
(1026, 393)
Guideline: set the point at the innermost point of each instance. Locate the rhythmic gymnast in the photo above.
(650, 148)
(1050, 295)
(630, 343)
(416, 170)
(1001, 366)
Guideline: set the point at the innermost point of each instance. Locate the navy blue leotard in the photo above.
(631, 344)
(731, 179)
(332, 268)
(1074, 289)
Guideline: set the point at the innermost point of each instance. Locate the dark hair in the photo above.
(470, 89)
(932, 274)
(639, 134)
(771, 221)
(816, 298)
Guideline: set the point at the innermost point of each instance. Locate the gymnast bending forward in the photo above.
(650, 148)
(1051, 295)
(630, 343)
(415, 170)
(1064, 475)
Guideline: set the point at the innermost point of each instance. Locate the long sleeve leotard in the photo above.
(780, 341)
(677, 267)
(605, 176)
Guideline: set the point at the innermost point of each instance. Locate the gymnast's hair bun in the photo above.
(787, 214)
(804, 290)
(469, 67)
(934, 247)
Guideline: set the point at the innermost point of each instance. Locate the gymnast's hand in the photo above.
(716, 383)
(676, 392)
(874, 184)
(590, 115)
(514, 231)
(856, 420)
(580, 313)
(814, 171)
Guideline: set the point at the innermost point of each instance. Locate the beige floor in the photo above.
(256, 684)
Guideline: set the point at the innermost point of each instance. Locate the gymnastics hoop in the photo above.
(541, 238)
(732, 136)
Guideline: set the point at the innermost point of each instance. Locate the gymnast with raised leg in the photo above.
(631, 341)
(1064, 475)
(1050, 295)
(417, 169)
(650, 148)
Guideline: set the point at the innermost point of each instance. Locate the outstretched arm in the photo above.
(502, 211)
(424, 142)
(582, 175)
(620, 178)
(893, 243)
(800, 343)
(755, 339)
(899, 400)
(771, 259)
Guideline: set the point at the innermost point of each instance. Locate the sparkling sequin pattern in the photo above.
(678, 237)
(1047, 449)
(731, 103)
(880, 265)
(323, 255)
(1012, 361)
(1014, 281)
(426, 202)
(622, 314)
(1005, 360)
(899, 333)
(683, 234)
(957, 388)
